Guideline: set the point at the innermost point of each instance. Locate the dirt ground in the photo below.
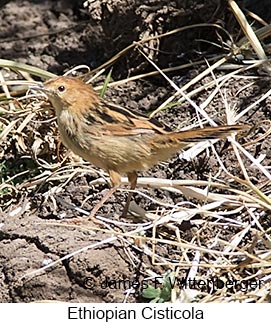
(56, 36)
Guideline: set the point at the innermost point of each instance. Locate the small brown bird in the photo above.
(114, 138)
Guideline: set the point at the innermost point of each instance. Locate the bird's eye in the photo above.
(61, 88)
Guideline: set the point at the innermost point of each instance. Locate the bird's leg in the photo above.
(102, 201)
(115, 179)
(132, 177)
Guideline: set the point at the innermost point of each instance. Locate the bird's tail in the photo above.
(208, 133)
(177, 140)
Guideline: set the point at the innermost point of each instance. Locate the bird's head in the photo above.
(68, 93)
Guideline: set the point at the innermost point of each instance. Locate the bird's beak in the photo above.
(39, 87)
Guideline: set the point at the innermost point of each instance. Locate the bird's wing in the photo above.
(110, 119)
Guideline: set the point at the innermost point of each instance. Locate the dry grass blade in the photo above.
(248, 31)
(26, 68)
(179, 91)
(147, 39)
